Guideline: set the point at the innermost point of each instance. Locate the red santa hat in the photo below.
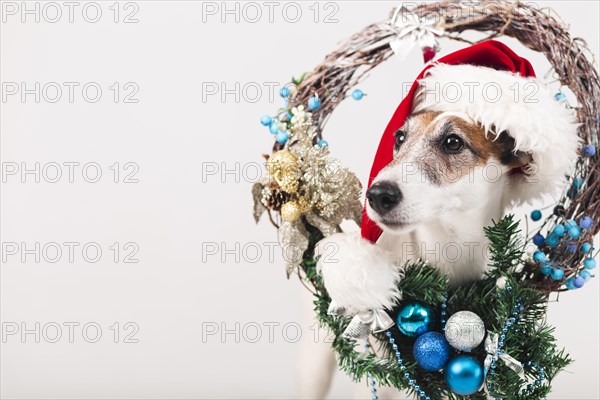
(517, 103)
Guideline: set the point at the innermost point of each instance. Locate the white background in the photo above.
(174, 133)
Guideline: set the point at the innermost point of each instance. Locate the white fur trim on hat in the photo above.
(504, 101)
(358, 275)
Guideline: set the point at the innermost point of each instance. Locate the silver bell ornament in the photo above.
(465, 330)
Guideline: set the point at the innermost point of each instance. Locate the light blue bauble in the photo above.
(414, 319)
(464, 375)
(431, 351)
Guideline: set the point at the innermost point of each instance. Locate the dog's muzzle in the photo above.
(383, 196)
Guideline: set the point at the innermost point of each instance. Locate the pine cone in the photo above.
(274, 198)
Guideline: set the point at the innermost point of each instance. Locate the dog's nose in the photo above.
(383, 196)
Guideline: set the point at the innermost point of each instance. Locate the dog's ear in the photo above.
(508, 155)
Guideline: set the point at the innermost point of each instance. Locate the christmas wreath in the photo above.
(440, 337)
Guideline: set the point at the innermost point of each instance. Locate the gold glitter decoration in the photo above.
(290, 211)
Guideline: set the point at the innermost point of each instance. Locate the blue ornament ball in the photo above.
(586, 222)
(415, 319)
(570, 223)
(557, 274)
(570, 284)
(464, 375)
(322, 143)
(572, 248)
(314, 103)
(589, 263)
(284, 92)
(538, 240)
(589, 150)
(266, 120)
(536, 215)
(552, 240)
(281, 137)
(357, 94)
(586, 248)
(431, 351)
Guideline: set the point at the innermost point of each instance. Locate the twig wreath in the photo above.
(307, 194)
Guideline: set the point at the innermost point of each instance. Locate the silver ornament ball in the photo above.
(465, 330)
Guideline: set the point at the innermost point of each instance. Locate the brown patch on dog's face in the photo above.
(446, 147)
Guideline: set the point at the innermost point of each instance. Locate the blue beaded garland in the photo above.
(266, 120)
(357, 94)
(414, 319)
(464, 375)
(314, 103)
(536, 215)
(589, 263)
(538, 240)
(431, 351)
(570, 223)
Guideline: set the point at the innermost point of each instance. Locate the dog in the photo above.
(446, 168)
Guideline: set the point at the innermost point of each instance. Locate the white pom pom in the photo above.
(358, 274)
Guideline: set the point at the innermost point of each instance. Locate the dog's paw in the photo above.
(358, 274)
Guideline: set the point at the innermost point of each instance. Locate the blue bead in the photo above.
(546, 270)
(395, 346)
(536, 215)
(322, 143)
(284, 92)
(539, 256)
(406, 375)
(586, 222)
(411, 382)
(281, 137)
(578, 282)
(574, 232)
(560, 97)
(357, 94)
(586, 248)
(557, 274)
(417, 387)
(274, 128)
(464, 375)
(552, 240)
(589, 150)
(589, 263)
(388, 334)
(266, 120)
(572, 248)
(431, 351)
(538, 240)
(577, 183)
(500, 344)
(559, 230)
(585, 275)
(314, 103)
(392, 340)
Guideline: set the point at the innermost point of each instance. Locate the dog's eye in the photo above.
(400, 138)
(453, 144)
